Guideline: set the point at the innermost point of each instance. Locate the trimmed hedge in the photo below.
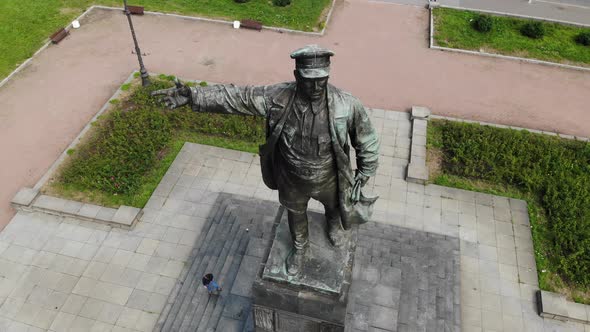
(483, 23)
(556, 170)
(281, 3)
(583, 38)
(123, 149)
(535, 30)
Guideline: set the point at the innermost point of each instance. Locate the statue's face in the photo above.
(312, 88)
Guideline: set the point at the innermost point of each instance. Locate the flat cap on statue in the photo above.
(312, 61)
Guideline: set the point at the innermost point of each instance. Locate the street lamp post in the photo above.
(145, 80)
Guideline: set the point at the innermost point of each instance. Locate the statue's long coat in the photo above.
(348, 119)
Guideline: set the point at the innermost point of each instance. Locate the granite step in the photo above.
(198, 254)
(213, 248)
(201, 321)
(220, 251)
(212, 316)
(226, 283)
(171, 308)
(214, 308)
(199, 296)
(187, 303)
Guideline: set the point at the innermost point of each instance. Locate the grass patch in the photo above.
(26, 25)
(551, 174)
(130, 148)
(454, 29)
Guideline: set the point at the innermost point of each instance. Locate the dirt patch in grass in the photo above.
(434, 158)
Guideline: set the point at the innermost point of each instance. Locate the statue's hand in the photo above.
(174, 97)
(359, 181)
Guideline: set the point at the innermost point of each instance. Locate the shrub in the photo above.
(241, 1)
(124, 147)
(281, 3)
(583, 38)
(535, 30)
(483, 23)
(555, 170)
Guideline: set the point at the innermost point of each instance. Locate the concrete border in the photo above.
(500, 56)
(535, 131)
(30, 200)
(555, 306)
(194, 18)
(417, 170)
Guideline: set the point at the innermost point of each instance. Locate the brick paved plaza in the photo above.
(62, 274)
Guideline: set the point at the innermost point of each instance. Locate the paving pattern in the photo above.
(404, 280)
(62, 274)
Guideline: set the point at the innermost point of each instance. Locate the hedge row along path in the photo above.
(382, 56)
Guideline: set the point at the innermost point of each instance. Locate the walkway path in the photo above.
(63, 273)
(381, 57)
(575, 11)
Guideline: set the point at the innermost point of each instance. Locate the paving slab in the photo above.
(495, 254)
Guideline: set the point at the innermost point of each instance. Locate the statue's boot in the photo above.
(336, 233)
(295, 261)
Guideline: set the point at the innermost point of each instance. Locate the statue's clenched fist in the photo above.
(174, 97)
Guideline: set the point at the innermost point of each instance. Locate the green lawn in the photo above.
(129, 149)
(452, 28)
(26, 24)
(551, 174)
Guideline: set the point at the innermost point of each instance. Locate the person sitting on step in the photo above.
(211, 284)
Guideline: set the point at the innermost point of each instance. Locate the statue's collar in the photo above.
(282, 98)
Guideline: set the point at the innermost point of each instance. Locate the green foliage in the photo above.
(123, 149)
(203, 83)
(554, 169)
(70, 152)
(483, 23)
(535, 30)
(241, 1)
(583, 38)
(130, 148)
(136, 74)
(125, 86)
(114, 101)
(454, 29)
(167, 77)
(281, 3)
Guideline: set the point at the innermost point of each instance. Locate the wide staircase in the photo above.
(240, 227)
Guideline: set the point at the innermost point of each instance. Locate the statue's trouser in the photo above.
(295, 199)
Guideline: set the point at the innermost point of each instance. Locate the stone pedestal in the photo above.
(316, 299)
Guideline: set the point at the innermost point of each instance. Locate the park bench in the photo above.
(251, 24)
(57, 36)
(135, 10)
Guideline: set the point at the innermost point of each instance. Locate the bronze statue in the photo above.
(310, 128)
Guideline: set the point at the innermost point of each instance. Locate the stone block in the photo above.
(24, 197)
(50, 203)
(578, 312)
(105, 214)
(552, 305)
(417, 173)
(420, 112)
(247, 272)
(126, 215)
(237, 307)
(89, 210)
